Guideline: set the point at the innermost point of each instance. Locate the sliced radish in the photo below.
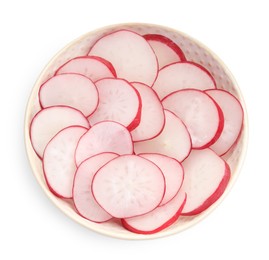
(182, 75)
(172, 171)
(166, 50)
(49, 121)
(59, 160)
(93, 67)
(152, 114)
(106, 136)
(130, 54)
(83, 198)
(174, 140)
(233, 120)
(199, 112)
(128, 186)
(72, 90)
(159, 218)
(206, 178)
(119, 102)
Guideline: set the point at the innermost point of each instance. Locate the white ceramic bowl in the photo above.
(194, 51)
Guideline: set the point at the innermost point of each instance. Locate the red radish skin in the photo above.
(131, 55)
(200, 113)
(128, 186)
(93, 67)
(159, 219)
(166, 50)
(72, 90)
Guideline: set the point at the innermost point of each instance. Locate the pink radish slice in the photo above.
(199, 112)
(182, 75)
(119, 102)
(72, 90)
(49, 121)
(172, 171)
(92, 67)
(130, 54)
(233, 120)
(206, 178)
(152, 114)
(59, 161)
(128, 186)
(106, 136)
(174, 140)
(158, 219)
(83, 198)
(166, 50)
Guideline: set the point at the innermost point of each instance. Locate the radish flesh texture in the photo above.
(206, 178)
(59, 160)
(92, 67)
(106, 136)
(159, 218)
(83, 198)
(182, 75)
(119, 102)
(72, 90)
(128, 186)
(130, 54)
(49, 121)
(199, 112)
(174, 140)
(172, 171)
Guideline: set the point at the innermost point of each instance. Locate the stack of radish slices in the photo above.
(134, 131)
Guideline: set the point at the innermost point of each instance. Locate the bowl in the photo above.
(194, 51)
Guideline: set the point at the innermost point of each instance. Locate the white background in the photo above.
(31, 227)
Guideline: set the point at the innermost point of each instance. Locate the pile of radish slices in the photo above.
(134, 131)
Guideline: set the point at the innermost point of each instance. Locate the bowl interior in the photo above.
(194, 51)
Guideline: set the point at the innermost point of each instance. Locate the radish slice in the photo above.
(199, 112)
(72, 90)
(233, 120)
(92, 67)
(106, 136)
(119, 102)
(152, 115)
(130, 54)
(174, 141)
(83, 198)
(206, 178)
(166, 50)
(182, 75)
(49, 121)
(128, 186)
(172, 171)
(158, 219)
(59, 161)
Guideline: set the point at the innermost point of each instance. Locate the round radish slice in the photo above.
(206, 178)
(59, 160)
(128, 186)
(92, 67)
(182, 75)
(119, 102)
(49, 121)
(72, 90)
(233, 120)
(166, 50)
(106, 136)
(158, 219)
(172, 171)
(200, 113)
(83, 198)
(152, 115)
(130, 54)
(174, 140)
